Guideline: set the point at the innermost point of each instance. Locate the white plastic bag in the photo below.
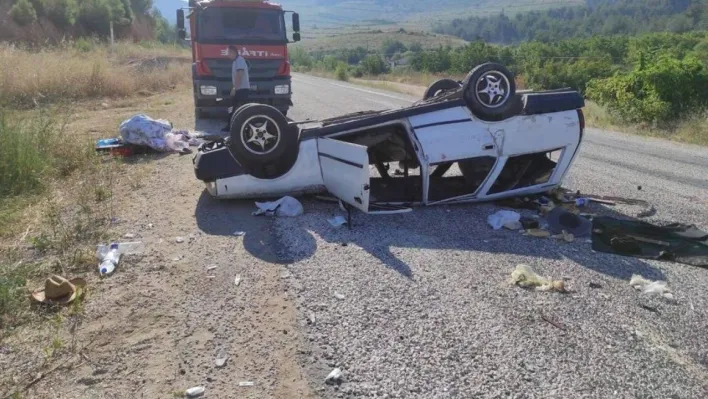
(502, 218)
(284, 207)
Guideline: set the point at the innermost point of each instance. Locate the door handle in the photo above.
(488, 147)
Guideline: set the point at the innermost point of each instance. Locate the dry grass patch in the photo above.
(52, 75)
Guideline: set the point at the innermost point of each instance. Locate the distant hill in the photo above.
(321, 13)
(597, 17)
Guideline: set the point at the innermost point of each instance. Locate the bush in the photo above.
(63, 12)
(341, 72)
(373, 65)
(23, 12)
(661, 92)
(356, 72)
(33, 150)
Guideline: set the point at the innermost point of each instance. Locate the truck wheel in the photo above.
(260, 135)
(439, 87)
(489, 91)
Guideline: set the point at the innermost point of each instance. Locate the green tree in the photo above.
(391, 47)
(23, 12)
(63, 12)
(373, 65)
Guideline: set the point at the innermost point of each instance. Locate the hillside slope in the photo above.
(320, 13)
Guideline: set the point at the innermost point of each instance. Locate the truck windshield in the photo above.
(222, 25)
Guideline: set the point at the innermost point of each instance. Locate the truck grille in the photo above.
(260, 69)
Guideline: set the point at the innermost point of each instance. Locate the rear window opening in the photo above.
(394, 168)
(526, 170)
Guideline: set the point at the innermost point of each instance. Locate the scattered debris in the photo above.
(538, 233)
(503, 218)
(560, 219)
(195, 392)
(220, 361)
(179, 240)
(595, 286)
(285, 275)
(237, 281)
(59, 290)
(337, 221)
(311, 319)
(581, 202)
(649, 308)
(553, 323)
(651, 287)
(150, 225)
(239, 233)
(284, 207)
(651, 211)
(178, 258)
(565, 236)
(212, 267)
(246, 384)
(528, 223)
(129, 235)
(339, 296)
(334, 377)
(673, 242)
(525, 277)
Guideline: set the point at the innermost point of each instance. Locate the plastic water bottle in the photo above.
(110, 254)
(109, 261)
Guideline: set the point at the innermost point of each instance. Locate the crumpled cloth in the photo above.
(157, 134)
(284, 207)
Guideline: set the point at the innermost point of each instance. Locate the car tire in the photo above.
(489, 91)
(440, 86)
(260, 135)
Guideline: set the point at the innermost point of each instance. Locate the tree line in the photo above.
(597, 17)
(646, 78)
(94, 16)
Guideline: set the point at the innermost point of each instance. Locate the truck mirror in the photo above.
(180, 19)
(296, 22)
(296, 36)
(182, 34)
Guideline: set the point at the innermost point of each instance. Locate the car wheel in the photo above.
(260, 135)
(489, 91)
(440, 86)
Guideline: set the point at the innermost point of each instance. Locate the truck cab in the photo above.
(257, 28)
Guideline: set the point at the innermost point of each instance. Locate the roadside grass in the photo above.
(692, 129)
(55, 204)
(29, 77)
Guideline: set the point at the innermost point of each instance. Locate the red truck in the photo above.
(258, 29)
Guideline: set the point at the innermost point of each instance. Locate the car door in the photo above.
(345, 171)
(453, 136)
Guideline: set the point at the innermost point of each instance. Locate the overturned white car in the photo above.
(468, 141)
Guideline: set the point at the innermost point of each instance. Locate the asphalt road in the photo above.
(419, 305)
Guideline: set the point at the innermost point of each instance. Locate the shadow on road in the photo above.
(224, 218)
(459, 228)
